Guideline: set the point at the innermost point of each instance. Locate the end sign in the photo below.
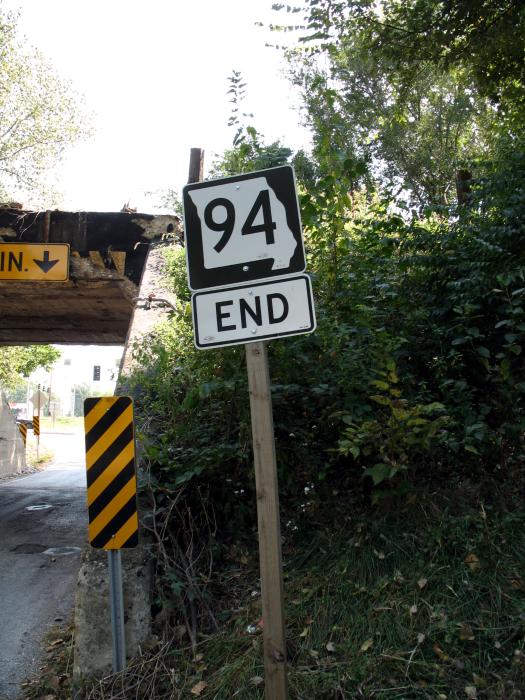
(259, 311)
(244, 250)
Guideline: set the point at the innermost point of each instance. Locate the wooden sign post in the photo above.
(245, 255)
(270, 556)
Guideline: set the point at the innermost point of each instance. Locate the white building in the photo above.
(81, 371)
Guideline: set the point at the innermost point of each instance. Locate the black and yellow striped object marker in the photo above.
(36, 425)
(111, 478)
(22, 427)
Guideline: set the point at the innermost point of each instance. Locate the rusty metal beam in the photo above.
(108, 253)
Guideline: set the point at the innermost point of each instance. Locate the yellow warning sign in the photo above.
(37, 262)
(111, 480)
(36, 425)
(22, 427)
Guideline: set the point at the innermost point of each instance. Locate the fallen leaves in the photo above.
(465, 632)
(306, 630)
(54, 644)
(472, 561)
(53, 681)
(440, 653)
(198, 688)
(365, 646)
(479, 681)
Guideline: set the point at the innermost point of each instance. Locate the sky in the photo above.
(154, 77)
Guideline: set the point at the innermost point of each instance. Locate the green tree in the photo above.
(485, 37)
(412, 137)
(248, 152)
(17, 362)
(415, 120)
(82, 392)
(39, 117)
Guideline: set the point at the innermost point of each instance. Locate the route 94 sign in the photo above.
(243, 228)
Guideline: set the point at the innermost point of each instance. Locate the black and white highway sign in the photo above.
(258, 311)
(243, 228)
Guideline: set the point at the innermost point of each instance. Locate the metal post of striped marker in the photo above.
(37, 431)
(116, 603)
(112, 496)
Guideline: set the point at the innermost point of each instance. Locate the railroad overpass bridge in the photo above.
(114, 258)
(108, 253)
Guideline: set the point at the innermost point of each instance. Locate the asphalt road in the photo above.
(40, 552)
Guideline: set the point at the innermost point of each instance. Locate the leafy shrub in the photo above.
(414, 373)
(399, 436)
(435, 303)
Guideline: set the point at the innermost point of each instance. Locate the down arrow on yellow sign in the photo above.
(37, 262)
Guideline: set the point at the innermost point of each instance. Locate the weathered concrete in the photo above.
(146, 316)
(12, 452)
(95, 305)
(92, 613)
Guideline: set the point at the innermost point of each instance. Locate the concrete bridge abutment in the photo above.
(93, 651)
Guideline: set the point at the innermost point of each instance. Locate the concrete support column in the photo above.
(12, 451)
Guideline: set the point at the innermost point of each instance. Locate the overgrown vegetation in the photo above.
(425, 601)
(54, 680)
(399, 422)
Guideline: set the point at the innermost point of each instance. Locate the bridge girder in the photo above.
(108, 254)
